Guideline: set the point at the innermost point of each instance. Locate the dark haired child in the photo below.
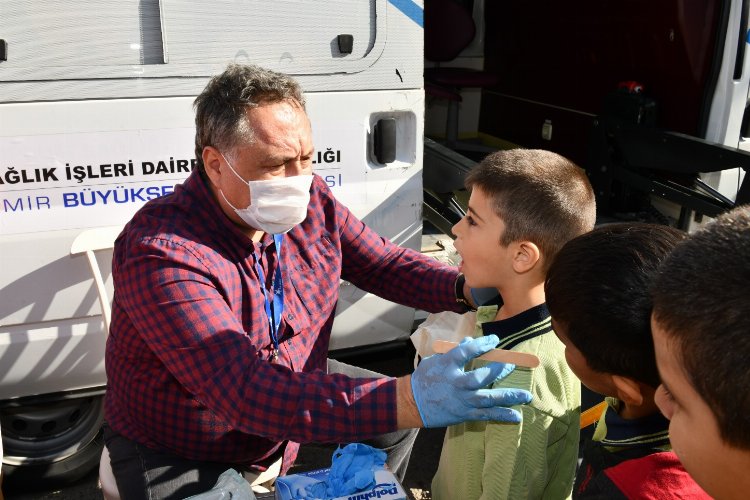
(701, 325)
(524, 205)
(598, 293)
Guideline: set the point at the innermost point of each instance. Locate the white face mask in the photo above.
(276, 205)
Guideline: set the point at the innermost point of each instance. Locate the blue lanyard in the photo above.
(275, 311)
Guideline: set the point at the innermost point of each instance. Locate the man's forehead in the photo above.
(278, 119)
(284, 107)
(278, 125)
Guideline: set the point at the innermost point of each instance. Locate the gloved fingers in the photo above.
(518, 396)
(489, 398)
(486, 375)
(497, 414)
(505, 370)
(470, 348)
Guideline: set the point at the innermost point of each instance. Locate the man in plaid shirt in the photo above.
(225, 293)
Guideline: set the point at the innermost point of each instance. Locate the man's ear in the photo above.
(212, 163)
(628, 390)
(525, 256)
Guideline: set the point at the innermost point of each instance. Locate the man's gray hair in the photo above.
(220, 118)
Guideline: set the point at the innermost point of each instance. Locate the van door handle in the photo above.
(346, 43)
(385, 140)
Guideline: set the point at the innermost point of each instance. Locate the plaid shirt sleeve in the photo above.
(401, 275)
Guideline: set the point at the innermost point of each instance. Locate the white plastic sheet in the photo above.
(449, 326)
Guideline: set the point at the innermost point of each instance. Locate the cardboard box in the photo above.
(387, 487)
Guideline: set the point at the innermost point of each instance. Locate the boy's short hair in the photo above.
(598, 287)
(540, 196)
(702, 303)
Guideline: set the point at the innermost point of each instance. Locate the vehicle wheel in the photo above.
(51, 444)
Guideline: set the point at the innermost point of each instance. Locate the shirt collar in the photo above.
(519, 328)
(651, 431)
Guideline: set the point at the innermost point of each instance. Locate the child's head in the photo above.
(701, 325)
(520, 196)
(598, 294)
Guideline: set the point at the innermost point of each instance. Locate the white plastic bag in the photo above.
(447, 325)
(230, 486)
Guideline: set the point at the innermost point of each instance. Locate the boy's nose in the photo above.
(455, 228)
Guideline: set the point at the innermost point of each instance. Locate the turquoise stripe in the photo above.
(411, 10)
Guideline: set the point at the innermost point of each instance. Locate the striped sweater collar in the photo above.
(613, 431)
(519, 328)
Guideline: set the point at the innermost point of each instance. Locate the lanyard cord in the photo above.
(274, 310)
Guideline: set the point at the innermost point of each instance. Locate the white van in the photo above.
(96, 118)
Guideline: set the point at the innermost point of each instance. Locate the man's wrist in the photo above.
(408, 416)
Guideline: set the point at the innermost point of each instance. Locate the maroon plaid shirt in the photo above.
(188, 352)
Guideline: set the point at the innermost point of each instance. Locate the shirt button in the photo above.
(290, 316)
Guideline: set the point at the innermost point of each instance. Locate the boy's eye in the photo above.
(665, 401)
(667, 395)
(471, 220)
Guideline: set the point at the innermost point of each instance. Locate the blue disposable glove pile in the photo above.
(446, 394)
(352, 470)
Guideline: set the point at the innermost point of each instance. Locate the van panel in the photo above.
(71, 39)
(107, 49)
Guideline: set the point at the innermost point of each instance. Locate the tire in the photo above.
(52, 444)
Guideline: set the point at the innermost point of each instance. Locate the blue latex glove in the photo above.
(300, 487)
(352, 470)
(445, 394)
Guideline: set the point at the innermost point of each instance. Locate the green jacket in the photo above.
(534, 459)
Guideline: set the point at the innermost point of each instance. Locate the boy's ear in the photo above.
(628, 390)
(525, 256)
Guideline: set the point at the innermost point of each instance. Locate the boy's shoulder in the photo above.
(634, 473)
(632, 458)
(555, 387)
